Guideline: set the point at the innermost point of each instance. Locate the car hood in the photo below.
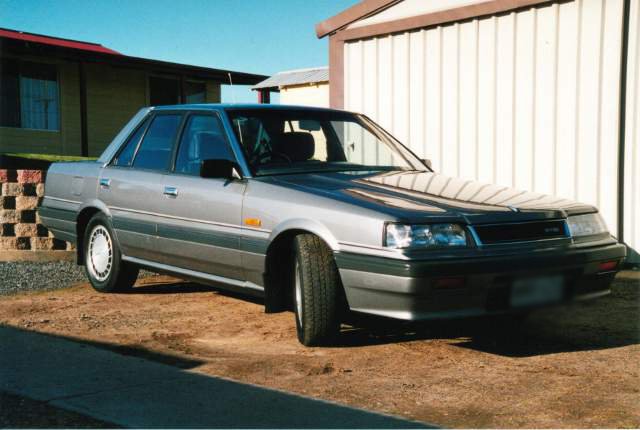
(423, 196)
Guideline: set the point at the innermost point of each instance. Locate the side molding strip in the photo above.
(194, 274)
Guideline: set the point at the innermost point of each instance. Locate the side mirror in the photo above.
(427, 163)
(219, 168)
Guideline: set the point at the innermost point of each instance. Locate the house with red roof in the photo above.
(61, 96)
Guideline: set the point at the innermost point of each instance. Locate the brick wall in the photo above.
(20, 227)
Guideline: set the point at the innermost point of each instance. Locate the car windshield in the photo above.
(284, 141)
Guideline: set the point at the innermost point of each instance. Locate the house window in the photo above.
(167, 91)
(29, 96)
(163, 91)
(195, 92)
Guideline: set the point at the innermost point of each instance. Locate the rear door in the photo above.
(200, 222)
(131, 185)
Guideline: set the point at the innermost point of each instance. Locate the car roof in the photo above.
(242, 106)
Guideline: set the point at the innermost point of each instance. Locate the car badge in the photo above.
(513, 209)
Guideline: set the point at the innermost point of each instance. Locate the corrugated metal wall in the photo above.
(527, 99)
(632, 129)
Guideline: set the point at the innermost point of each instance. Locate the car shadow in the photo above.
(609, 322)
(186, 287)
(88, 377)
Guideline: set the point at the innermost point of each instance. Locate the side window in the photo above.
(156, 147)
(203, 139)
(125, 157)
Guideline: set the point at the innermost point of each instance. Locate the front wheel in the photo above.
(316, 291)
(103, 264)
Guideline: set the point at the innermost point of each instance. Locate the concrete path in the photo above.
(133, 392)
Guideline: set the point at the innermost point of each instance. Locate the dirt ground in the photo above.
(576, 366)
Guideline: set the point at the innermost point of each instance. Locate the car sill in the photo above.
(249, 287)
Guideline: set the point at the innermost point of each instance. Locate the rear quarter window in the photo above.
(125, 157)
(156, 147)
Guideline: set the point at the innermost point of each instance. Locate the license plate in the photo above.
(538, 290)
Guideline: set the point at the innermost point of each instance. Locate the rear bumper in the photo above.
(407, 289)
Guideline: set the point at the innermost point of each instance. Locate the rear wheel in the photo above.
(103, 264)
(316, 291)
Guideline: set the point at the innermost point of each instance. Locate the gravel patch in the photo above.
(21, 412)
(22, 276)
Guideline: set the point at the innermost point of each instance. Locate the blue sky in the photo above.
(258, 36)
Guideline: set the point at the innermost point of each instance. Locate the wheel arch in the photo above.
(87, 211)
(278, 266)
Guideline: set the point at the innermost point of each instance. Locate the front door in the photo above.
(199, 228)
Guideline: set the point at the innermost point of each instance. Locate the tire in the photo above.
(316, 291)
(103, 264)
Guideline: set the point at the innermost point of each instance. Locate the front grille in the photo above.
(520, 232)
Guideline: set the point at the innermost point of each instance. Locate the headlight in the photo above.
(424, 235)
(586, 225)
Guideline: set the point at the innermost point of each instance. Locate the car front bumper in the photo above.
(414, 290)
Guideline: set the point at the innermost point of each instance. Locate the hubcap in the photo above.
(100, 253)
(298, 288)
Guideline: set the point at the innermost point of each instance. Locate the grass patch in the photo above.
(50, 157)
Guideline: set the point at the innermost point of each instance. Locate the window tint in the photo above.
(155, 150)
(203, 139)
(125, 157)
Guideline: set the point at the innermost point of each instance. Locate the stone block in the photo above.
(15, 243)
(42, 243)
(47, 244)
(30, 176)
(26, 203)
(12, 189)
(8, 175)
(9, 216)
(26, 230)
(40, 190)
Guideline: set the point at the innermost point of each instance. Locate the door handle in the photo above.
(105, 182)
(171, 191)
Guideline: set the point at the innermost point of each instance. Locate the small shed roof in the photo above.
(295, 77)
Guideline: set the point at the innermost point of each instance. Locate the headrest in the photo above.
(209, 145)
(297, 145)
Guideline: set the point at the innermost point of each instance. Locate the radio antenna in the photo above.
(233, 93)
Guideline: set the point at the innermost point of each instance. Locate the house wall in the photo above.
(306, 95)
(114, 95)
(528, 99)
(213, 92)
